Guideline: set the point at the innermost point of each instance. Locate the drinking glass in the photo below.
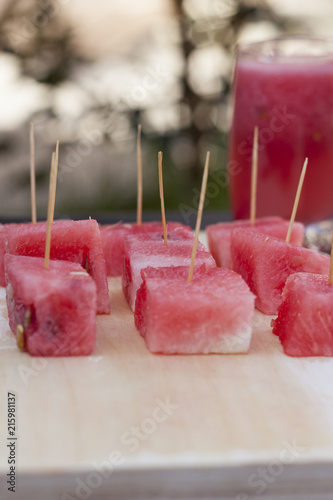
(285, 87)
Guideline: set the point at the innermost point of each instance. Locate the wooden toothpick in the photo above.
(49, 216)
(199, 215)
(298, 194)
(51, 204)
(56, 175)
(160, 182)
(330, 276)
(32, 175)
(254, 177)
(139, 179)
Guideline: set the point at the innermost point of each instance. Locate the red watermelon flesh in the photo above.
(219, 235)
(2, 255)
(211, 314)
(265, 263)
(305, 317)
(143, 251)
(3, 233)
(161, 272)
(76, 241)
(113, 237)
(55, 306)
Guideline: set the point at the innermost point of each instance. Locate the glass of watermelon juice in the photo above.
(285, 87)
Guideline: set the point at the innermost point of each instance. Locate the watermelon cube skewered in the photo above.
(113, 241)
(194, 309)
(266, 262)
(219, 235)
(53, 309)
(75, 241)
(143, 251)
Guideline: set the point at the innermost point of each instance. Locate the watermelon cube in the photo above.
(76, 241)
(265, 263)
(305, 316)
(113, 237)
(219, 235)
(210, 314)
(54, 308)
(145, 250)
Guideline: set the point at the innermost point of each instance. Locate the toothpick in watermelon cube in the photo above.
(113, 237)
(219, 235)
(76, 241)
(142, 251)
(52, 311)
(266, 262)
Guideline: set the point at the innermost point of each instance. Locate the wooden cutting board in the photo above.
(124, 423)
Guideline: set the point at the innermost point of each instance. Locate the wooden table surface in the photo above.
(127, 424)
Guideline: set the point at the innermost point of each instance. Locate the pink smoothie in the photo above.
(292, 104)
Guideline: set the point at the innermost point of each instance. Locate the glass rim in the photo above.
(273, 46)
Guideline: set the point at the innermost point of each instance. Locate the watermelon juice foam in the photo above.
(285, 87)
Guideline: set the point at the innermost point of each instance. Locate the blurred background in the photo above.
(87, 73)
